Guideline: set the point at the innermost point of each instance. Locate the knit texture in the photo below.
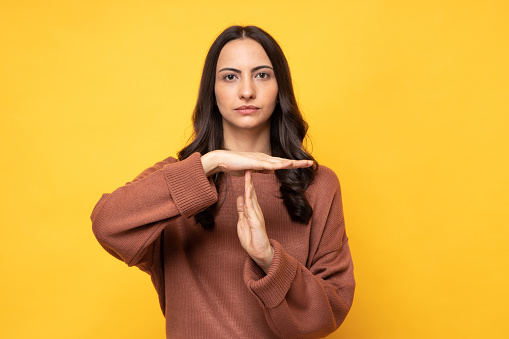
(208, 287)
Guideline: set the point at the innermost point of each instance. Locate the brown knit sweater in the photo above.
(208, 287)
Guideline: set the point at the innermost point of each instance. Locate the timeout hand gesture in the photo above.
(251, 225)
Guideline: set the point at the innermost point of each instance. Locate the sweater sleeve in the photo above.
(312, 300)
(129, 221)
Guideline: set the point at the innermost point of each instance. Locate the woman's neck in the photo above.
(247, 140)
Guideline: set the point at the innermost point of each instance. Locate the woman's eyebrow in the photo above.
(229, 69)
(260, 67)
(238, 71)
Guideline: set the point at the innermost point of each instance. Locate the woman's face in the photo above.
(246, 86)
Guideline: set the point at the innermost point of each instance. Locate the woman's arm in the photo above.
(312, 300)
(127, 221)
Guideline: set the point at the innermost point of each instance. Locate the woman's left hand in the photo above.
(251, 226)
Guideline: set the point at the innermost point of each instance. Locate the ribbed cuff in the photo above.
(190, 189)
(273, 287)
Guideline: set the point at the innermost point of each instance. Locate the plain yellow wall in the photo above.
(407, 102)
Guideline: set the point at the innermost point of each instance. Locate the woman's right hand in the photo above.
(236, 163)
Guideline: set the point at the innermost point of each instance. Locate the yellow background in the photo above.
(407, 102)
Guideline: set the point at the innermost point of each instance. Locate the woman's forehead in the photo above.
(242, 53)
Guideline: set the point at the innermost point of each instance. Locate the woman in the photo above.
(244, 234)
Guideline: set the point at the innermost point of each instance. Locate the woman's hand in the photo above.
(236, 163)
(251, 226)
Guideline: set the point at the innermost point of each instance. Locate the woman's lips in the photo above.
(247, 109)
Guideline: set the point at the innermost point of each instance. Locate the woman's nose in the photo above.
(247, 89)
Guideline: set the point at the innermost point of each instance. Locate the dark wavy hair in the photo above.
(287, 127)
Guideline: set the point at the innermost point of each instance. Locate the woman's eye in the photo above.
(263, 75)
(229, 77)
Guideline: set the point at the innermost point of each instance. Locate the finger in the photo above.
(296, 164)
(253, 195)
(240, 207)
(289, 163)
(242, 225)
(256, 206)
(271, 165)
(252, 191)
(302, 163)
(248, 181)
(262, 165)
(248, 184)
(249, 210)
(252, 208)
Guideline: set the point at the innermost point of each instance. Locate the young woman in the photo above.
(244, 234)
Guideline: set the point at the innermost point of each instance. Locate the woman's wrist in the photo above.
(210, 163)
(266, 262)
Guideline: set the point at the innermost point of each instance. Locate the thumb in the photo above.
(240, 207)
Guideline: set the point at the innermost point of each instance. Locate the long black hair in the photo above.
(287, 127)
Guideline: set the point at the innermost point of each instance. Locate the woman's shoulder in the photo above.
(325, 176)
(325, 181)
